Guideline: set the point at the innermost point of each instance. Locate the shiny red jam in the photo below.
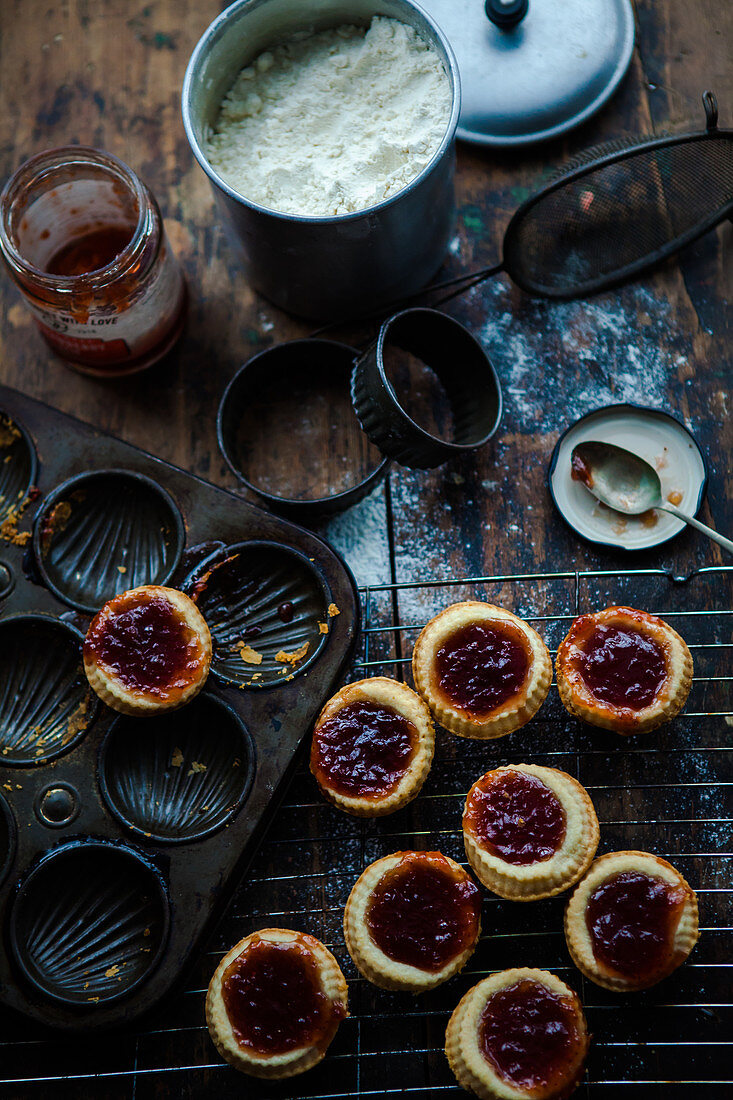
(530, 1036)
(515, 817)
(422, 913)
(481, 666)
(142, 640)
(622, 667)
(632, 919)
(91, 251)
(273, 998)
(363, 750)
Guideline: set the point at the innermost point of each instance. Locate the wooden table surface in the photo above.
(108, 73)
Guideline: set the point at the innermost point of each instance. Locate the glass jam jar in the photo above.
(84, 241)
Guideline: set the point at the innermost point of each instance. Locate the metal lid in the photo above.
(531, 71)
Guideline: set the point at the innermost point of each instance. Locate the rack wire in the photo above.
(668, 792)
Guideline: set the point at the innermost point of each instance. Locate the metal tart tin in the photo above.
(267, 396)
(8, 838)
(47, 704)
(178, 807)
(18, 465)
(324, 267)
(148, 778)
(462, 368)
(103, 533)
(89, 922)
(655, 436)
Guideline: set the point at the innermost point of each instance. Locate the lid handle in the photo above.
(710, 104)
(506, 13)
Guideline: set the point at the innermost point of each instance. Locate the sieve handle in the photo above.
(720, 539)
(506, 13)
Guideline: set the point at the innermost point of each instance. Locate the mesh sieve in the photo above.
(617, 210)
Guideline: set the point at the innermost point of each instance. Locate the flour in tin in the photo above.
(335, 122)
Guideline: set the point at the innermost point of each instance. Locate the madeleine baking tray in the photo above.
(120, 838)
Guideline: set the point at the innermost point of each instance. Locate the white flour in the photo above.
(334, 122)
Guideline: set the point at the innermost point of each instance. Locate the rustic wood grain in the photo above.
(108, 73)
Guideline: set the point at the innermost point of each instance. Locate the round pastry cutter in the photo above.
(656, 437)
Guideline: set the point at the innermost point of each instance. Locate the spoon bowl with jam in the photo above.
(625, 482)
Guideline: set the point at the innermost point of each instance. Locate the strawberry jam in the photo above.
(515, 816)
(423, 913)
(140, 638)
(481, 666)
(274, 1000)
(531, 1037)
(631, 920)
(622, 667)
(363, 749)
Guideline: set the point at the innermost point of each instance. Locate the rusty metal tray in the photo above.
(116, 852)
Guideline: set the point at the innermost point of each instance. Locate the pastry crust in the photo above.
(137, 702)
(543, 878)
(474, 1072)
(578, 938)
(400, 698)
(509, 715)
(579, 699)
(368, 957)
(292, 1062)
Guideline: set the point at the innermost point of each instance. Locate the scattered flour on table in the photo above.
(335, 122)
(360, 534)
(599, 342)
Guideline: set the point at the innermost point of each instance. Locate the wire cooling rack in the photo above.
(667, 792)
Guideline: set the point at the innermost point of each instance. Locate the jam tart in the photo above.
(147, 650)
(482, 671)
(631, 921)
(412, 920)
(623, 670)
(372, 747)
(530, 832)
(275, 1003)
(519, 1033)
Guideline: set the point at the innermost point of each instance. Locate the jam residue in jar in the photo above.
(363, 750)
(140, 638)
(516, 817)
(632, 919)
(622, 667)
(91, 251)
(422, 913)
(482, 665)
(274, 1000)
(84, 240)
(530, 1035)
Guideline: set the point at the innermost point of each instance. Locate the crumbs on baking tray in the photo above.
(292, 658)
(9, 526)
(249, 656)
(333, 610)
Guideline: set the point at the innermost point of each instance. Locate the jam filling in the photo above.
(422, 914)
(529, 1035)
(481, 666)
(622, 667)
(273, 998)
(144, 643)
(364, 749)
(516, 817)
(631, 920)
(89, 252)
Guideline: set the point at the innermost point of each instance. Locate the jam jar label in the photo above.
(104, 337)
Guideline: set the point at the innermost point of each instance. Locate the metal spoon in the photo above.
(628, 484)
